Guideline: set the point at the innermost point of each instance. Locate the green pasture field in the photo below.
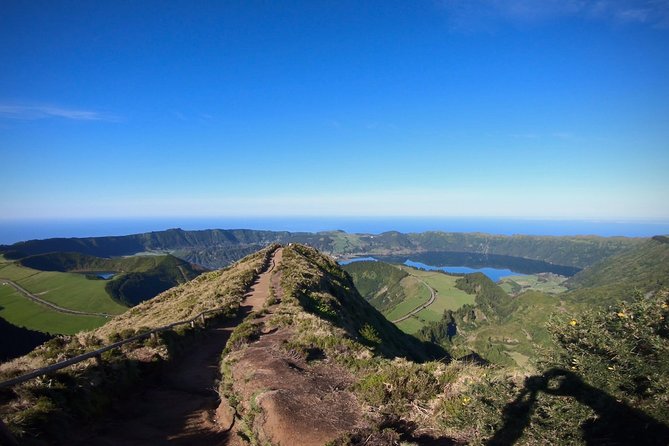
(533, 282)
(448, 296)
(417, 294)
(20, 311)
(411, 325)
(69, 290)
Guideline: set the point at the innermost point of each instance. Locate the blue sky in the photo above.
(518, 108)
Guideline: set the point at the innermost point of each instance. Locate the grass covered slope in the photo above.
(644, 267)
(69, 280)
(68, 290)
(321, 287)
(396, 290)
(138, 277)
(42, 412)
(313, 368)
(297, 372)
(214, 289)
(382, 285)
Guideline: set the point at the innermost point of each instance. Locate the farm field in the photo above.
(68, 290)
(20, 311)
(448, 298)
(417, 294)
(545, 283)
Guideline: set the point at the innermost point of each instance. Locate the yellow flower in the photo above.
(573, 322)
(622, 315)
(466, 400)
(665, 305)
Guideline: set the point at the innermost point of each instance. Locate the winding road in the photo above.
(433, 296)
(46, 303)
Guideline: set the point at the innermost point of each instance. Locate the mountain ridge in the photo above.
(215, 248)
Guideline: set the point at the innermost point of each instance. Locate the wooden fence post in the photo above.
(204, 321)
(98, 359)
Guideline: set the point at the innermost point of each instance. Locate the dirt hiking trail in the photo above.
(179, 406)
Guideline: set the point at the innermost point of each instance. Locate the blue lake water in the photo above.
(495, 274)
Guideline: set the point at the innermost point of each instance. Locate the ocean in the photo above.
(12, 231)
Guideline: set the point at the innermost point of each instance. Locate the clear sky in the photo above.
(496, 108)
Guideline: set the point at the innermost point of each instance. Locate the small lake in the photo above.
(494, 266)
(104, 275)
(494, 274)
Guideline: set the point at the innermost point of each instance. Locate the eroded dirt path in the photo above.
(180, 408)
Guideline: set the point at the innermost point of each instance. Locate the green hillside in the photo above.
(70, 281)
(137, 278)
(21, 312)
(333, 360)
(381, 284)
(396, 290)
(644, 267)
(215, 248)
(69, 290)
(42, 412)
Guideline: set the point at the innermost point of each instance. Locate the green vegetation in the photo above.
(69, 280)
(644, 267)
(22, 312)
(138, 277)
(381, 284)
(40, 412)
(216, 248)
(460, 401)
(396, 290)
(601, 376)
(449, 296)
(69, 290)
(542, 282)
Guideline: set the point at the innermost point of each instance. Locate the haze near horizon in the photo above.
(523, 109)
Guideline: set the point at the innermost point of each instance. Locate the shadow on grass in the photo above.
(616, 423)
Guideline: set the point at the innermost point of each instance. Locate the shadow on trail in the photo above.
(616, 424)
(176, 403)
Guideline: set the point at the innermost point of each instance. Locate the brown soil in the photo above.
(301, 402)
(180, 407)
(298, 400)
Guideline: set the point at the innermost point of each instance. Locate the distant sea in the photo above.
(12, 231)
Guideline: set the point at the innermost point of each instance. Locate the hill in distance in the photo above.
(215, 248)
(643, 268)
(64, 293)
